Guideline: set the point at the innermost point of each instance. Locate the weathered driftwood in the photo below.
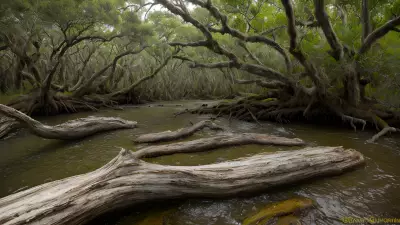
(174, 135)
(73, 129)
(7, 125)
(382, 133)
(206, 144)
(127, 180)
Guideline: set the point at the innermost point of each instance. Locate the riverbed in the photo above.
(368, 191)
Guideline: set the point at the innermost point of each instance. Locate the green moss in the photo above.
(279, 209)
(67, 93)
(268, 100)
(381, 123)
(6, 98)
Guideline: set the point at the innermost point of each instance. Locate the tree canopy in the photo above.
(340, 55)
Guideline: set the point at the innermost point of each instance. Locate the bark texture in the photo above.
(7, 126)
(126, 180)
(206, 144)
(73, 129)
(174, 135)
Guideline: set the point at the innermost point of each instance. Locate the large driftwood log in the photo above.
(7, 125)
(206, 144)
(73, 129)
(174, 135)
(126, 180)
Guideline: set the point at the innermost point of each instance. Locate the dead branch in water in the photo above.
(174, 135)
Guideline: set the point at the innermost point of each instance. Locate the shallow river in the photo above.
(370, 190)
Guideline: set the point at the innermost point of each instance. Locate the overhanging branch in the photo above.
(378, 33)
(141, 80)
(190, 44)
(205, 65)
(81, 90)
(226, 29)
(214, 46)
(252, 56)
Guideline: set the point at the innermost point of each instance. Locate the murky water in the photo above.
(372, 190)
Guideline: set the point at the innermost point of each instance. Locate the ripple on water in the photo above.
(371, 190)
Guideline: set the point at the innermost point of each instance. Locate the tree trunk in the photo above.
(18, 73)
(365, 20)
(73, 129)
(126, 180)
(352, 85)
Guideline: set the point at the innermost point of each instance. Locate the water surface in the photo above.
(371, 190)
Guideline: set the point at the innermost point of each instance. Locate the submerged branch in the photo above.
(385, 128)
(178, 134)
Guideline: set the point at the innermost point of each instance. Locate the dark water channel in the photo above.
(369, 191)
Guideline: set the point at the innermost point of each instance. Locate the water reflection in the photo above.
(371, 190)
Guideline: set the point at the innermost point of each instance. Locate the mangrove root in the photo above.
(73, 129)
(330, 111)
(381, 133)
(206, 144)
(127, 180)
(174, 135)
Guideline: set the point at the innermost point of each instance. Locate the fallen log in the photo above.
(226, 140)
(127, 180)
(178, 134)
(73, 129)
(7, 126)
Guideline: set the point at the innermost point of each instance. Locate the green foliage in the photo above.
(50, 22)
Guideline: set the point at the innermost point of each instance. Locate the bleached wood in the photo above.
(7, 126)
(73, 129)
(126, 180)
(219, 141)
(180, 133)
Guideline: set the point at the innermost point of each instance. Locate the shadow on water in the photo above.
(370, 190)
